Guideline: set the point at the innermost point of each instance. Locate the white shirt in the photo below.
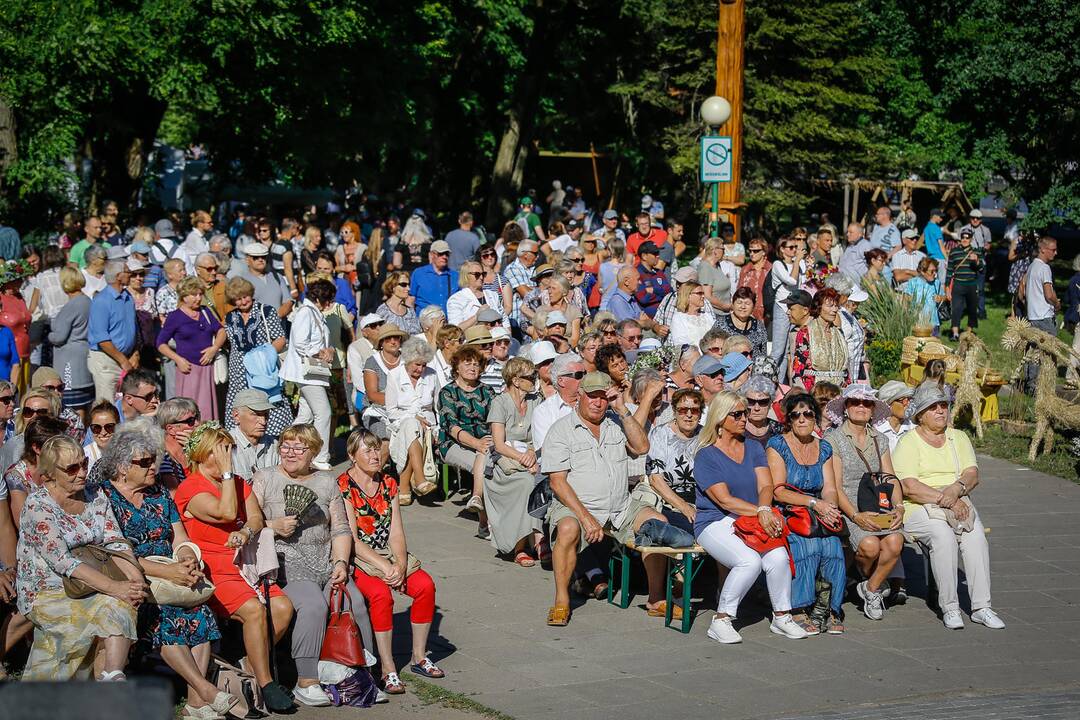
(158, 257)
(783, 281)
(193, 245)
(53, 296)
(905, 260)
(1037, 307)
(94, 285)
(356, 356)
(893, 436)
(464, 304)
(687, 329)
(403, 399)
(308, 335)
(544, 416)
(562, 243)
(441, 366)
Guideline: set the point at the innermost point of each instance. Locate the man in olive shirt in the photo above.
(585, 457)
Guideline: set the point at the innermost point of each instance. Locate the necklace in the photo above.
(806, 450)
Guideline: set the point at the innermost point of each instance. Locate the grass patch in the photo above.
(432, 694)
(1014, 448)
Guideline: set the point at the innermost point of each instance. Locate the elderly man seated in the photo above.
(585, 457)
(254, 449)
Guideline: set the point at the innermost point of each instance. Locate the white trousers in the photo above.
(106, 373)
(945, 548)
(315, 409)
(721, 542)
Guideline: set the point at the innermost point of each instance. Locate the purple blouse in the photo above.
(191, 336)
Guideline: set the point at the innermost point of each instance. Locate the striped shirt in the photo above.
(517, 275)
(962, 270)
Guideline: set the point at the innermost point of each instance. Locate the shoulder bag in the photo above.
(166, 592)
(100, 558)
(314, 369)
(875, 488)
(220, 362)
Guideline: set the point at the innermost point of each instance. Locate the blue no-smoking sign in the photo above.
(715, 159)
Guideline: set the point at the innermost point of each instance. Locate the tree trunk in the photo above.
(120, 141)
(9, 151)
(509, 170)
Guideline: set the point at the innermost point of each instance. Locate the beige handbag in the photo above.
(412, 564)
(165, 592)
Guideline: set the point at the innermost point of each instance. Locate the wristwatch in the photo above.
(226, 476)
(963, 487)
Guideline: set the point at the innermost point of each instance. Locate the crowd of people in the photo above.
(170, 408)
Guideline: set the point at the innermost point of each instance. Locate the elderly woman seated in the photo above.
(464, 439)
(410, 400)
(148, 518)
(221, 514)
(447, 341)
(937, 468)
(61, 518)
(315, 549)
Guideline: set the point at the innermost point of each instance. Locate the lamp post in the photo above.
(730, 63)
(715, 111)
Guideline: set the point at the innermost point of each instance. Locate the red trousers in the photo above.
(419, 586)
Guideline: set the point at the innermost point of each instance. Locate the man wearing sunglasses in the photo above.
(708, 377)
(566, 374)
(433, 284)
(139, 395)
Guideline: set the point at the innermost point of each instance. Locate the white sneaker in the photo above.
(873, 602)
(989, 618)
(475, 504)
(722, 631)
(112, 676)
(320, 465)
(954, 620)
(381, 697)
(311, 695)
(784, 625)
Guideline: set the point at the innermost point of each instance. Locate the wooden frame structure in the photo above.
(946, 192)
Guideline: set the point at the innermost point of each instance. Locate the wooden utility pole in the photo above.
(730, 64)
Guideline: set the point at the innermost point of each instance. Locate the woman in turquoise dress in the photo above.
(149, 519)
(800, 459)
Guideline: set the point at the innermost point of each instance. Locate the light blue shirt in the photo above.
(623, 306)
(112, 318)
(885, 237)
(922, 294)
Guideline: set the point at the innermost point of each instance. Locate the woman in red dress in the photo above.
(221, 515)
(15, 316)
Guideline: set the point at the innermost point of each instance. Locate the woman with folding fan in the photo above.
(313, 539)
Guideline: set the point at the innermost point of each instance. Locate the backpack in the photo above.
(167, 254)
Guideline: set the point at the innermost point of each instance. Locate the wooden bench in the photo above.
(679, 561)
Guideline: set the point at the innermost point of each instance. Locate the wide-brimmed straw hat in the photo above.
(836, 410)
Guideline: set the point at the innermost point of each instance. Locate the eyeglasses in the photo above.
(904, 400)
(758, 402)
(29, 412)
(7, 399)
(293, 449)
(190, 421)
(487, 254)
(98, 429)
(796, 414)
(74, 468)
(207, 267)
(54, 388)
(688, 410)
(632, 338)
(737, 415)
(145, 463)
(148, 397)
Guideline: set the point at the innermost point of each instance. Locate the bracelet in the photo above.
(813, 502)
(339, 560)
(766, 508)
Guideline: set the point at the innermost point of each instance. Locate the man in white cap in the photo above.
(905, 262)
(434, 283)
(271, 289)
(359, 350)
(500, 353)
(254, 450)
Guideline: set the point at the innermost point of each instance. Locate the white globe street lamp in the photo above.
(715, 111)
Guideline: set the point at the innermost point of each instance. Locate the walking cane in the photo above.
(269, 626)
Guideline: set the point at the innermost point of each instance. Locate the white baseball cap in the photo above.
(370, 319)
(542, 351)
(500, 333)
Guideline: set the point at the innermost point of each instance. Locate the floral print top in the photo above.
(47, 534)
(373, 513)
(149, 528)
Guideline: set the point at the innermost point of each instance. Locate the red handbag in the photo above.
(342, 643)
(750, 531)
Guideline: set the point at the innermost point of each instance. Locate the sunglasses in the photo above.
(487, 255)
(403, 285)
(476, 275)
(148, 397)
(54, 388)
(689, 410)
(190, 422)
(797, 414)
(31, 412)
(737, 415)
(145, 463)
(531, 377)
(759, 402)
(98, 429)
(609, 332)
(576, 375)
(756, 250)
(860, 403)
(7, 399)
(443, 254)
(74, 468)
(141, 273)
(201, 267)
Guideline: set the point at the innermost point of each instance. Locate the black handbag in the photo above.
(540, 499)
(875, 488)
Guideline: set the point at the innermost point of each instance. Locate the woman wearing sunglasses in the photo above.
(104, 417)
(488, 255)
(148, 518)
(733, 481)
(62, 514)
(797, 458)
(397, 308)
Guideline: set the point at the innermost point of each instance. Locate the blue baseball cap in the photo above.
(734, 364)
(139, 247)
(707, 365)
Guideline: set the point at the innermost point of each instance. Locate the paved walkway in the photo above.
(608, 663)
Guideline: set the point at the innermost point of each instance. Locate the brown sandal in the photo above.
(558, 616)
(660, 610)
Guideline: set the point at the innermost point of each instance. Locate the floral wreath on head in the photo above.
(15, 270)
(196, 435)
